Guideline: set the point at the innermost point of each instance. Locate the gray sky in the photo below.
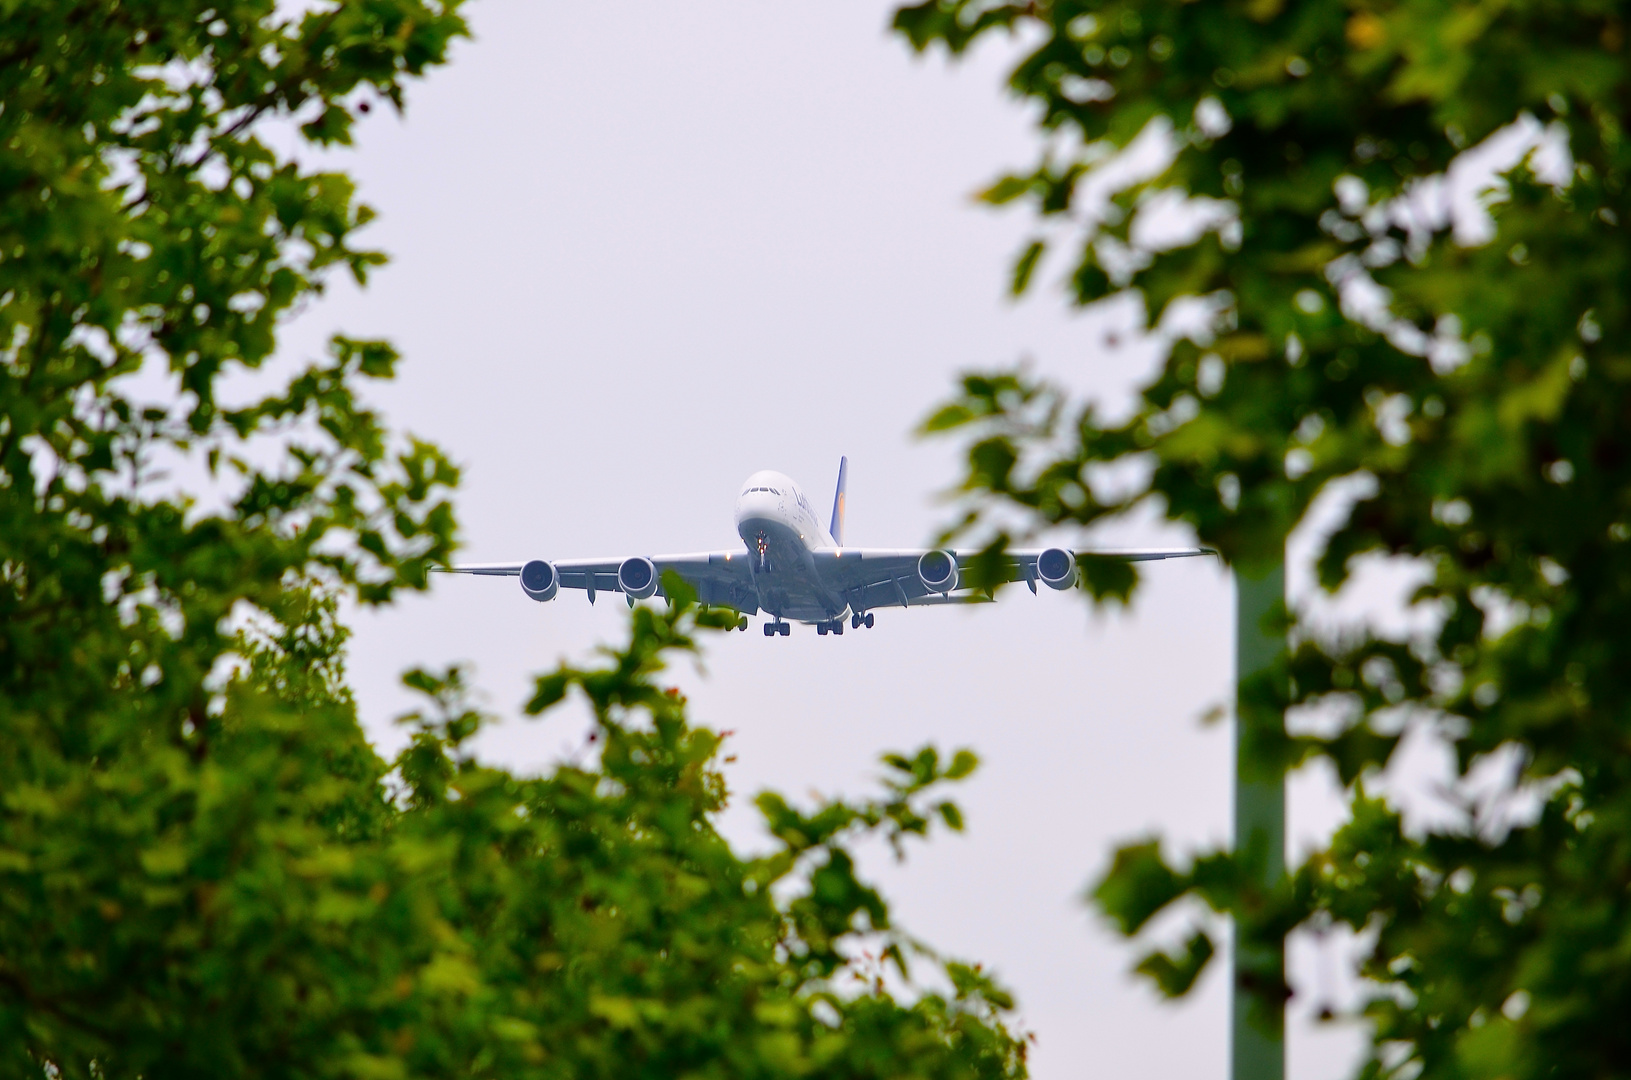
(642, 250)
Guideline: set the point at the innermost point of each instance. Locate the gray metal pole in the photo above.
(1257, 1027)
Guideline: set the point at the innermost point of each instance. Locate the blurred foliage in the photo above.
(1349, 312)
(205, 870)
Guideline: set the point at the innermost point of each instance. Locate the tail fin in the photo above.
(837, 529)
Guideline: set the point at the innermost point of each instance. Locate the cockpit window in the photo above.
(772, 491)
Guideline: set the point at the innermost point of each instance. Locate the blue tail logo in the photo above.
(837, 529)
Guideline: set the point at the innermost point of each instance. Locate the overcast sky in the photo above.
(641, 250)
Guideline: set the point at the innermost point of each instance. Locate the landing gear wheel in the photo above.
(854, 622)
(787, 629)
(770, 629)
(838, 627)
(742, 623)
(868, 620)
(821, 629)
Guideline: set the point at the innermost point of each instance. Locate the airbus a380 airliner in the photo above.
(794, 568)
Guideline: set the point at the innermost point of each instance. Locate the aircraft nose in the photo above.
(752, 504)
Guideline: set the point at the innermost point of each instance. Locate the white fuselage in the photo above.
(781, 528)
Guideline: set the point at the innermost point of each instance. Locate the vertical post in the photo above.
(1257, 1023)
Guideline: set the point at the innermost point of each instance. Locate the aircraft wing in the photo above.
(721, 578)
(888, 577)
(865, 578)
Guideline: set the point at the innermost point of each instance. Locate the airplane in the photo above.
(794, 568)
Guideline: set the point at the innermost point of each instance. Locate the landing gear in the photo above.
(834, 627)
(857, 621)
(742, 623)
(778, 627)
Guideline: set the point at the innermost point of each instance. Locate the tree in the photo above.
(1462, 378)
(204, 867)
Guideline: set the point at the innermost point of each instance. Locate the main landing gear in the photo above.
(822, 628)
(837, 625)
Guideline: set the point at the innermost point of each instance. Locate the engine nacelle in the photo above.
(540, 580)
(938, 571)
(637, 577)
(1057, 568)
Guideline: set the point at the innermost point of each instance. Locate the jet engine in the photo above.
(540, 580)
(637, 577)
(938, 571)
(1057, 568)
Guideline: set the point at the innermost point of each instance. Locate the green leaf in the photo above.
(1175, 974)
(548, 691)
(963, 763)
(1138, 885)
(946, 418)
(1025, 266)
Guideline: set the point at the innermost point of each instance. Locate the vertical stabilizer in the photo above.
(837, 529)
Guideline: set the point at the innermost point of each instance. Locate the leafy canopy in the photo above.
(1456, 378)
(205, 870)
